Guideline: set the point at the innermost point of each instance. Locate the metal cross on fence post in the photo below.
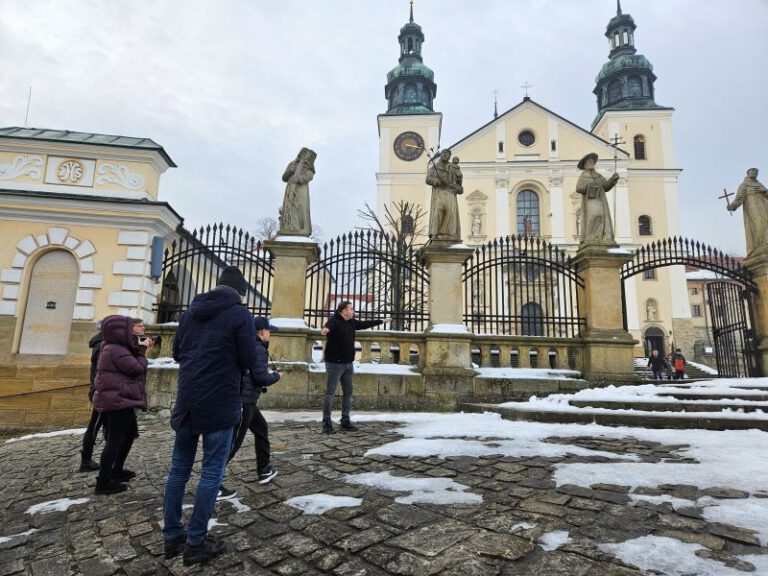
(727, 197)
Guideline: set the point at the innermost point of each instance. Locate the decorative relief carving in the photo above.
(120, 175)
(70, 172)
(477, 196)
(22, 166)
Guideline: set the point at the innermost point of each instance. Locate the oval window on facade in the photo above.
(526, 138)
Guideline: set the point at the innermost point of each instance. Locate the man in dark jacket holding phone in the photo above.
(213, 346)
(339, 355)
(255, 381)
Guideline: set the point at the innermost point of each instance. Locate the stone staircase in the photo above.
(686, 406)
(692, 373)
(43, 393)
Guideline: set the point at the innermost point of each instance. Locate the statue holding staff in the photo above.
(295, 216)
(753, 196)
(597, 227)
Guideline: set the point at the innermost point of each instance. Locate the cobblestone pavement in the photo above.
(121, 534)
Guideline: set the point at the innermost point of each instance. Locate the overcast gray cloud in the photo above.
(234, 88)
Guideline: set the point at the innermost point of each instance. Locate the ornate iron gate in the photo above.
(377, 272)
(519, 285)
(194, 260)
(730, 307)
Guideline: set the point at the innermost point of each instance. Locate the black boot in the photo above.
(86, 464)
(109, 487)
(347, 425)
(328, 427)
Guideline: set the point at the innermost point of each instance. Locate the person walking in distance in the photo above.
(94, 424)
(214, 345)
(255, 381)
(678, 364)
(658, 364)
(120, 389)
(339, 356)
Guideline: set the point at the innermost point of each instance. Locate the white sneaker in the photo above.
(267, 475)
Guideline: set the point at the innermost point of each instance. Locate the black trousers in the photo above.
(91, 433)
(252, 419)
(121, 430)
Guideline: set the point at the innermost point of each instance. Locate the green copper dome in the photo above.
(626, 81)
(411, 84)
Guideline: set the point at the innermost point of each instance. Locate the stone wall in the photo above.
(684, 334)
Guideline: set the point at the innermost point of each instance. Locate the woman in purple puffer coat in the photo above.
(120, 390)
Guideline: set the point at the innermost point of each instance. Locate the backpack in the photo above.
(679, 364)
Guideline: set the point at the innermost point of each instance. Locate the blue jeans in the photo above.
(334, 373)
(216, 447)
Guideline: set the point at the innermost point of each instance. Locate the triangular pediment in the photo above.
(477, 196)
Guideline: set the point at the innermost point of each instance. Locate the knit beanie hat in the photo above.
(232, 277)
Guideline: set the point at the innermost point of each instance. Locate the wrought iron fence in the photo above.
(686, 252)
(521, 285)
(194, 260)
(379, 273)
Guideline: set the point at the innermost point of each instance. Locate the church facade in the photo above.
(520, 170)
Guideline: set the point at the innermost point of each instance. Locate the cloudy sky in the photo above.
(233, 88)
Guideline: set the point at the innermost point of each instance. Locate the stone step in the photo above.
(642, 420)
(667, 406)
(725, 396)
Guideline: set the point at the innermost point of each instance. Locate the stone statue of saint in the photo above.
(650, 311)
(476, 225)
(294, 216)
(596, 227)
(446, 181)
(753, 196)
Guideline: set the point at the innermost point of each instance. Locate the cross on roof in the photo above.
(527, 88)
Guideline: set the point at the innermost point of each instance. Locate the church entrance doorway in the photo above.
(729, 294)
(654, 340)
(50, 304)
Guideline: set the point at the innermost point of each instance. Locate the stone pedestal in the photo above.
(289, 287)
(757, 264)
(448, 340)
(608, 348)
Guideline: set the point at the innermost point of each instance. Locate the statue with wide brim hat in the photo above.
(586, 157)
(597, 227)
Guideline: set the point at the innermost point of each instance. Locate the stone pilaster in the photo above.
(448, 339)
(757, 264)
(608, 348)
(289, 296)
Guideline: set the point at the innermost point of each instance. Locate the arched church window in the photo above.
(528, 213)
(639, 143)
(616, 40)
(532, 320)
(614, 91)
(644, 225)
(635, 87)
(501, 146)
(410, 45)
(626, 37)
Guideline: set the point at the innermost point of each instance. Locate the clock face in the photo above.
(409, 146)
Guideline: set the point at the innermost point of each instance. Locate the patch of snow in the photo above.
(296, 239)
(321, 503)
(459, 246)
(751, 513)
(59, 505)
(528, 373)
(236, 503)
(448, 329)
(522, 526)
(70, 432)
(674, 558)
(4, 539)
(288, 322)
(618, 251)
(553, 540)
(213, 522)
(166, 324)
(423, 490)
(162, 362)
(677, 503)
(703, 367)
(370, 368)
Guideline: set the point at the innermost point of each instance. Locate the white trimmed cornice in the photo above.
(67, 211)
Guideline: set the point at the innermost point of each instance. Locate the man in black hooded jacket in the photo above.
(94, 425)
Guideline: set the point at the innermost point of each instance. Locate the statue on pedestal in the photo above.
(596, 227)
(446, 181)
(753, 196)
(294, 216)
(476, 225)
